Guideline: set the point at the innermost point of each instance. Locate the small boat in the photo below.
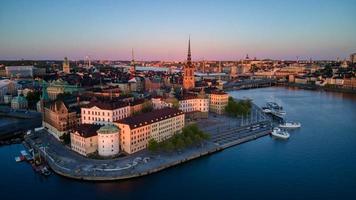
(24, 153)
(274, 109)
(290, 125)
(18, 159)
(266, 110)
(274, 105)
(279, 114)
(45, 171)
(277, 132)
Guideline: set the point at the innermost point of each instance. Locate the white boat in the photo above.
(266, 110)
(277, 132)
(274, 109)
(274, 105)
(278, 113)
(290, 125)
(24, 153)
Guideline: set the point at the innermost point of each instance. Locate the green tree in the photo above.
(180, 143)
(238, 108)
(153, 145)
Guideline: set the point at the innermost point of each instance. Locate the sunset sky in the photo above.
(159, 30)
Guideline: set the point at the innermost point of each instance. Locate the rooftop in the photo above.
(87, 130)
(108, 129)
(150, 117)
(106, 105)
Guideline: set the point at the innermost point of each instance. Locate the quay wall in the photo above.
(90, 177)
(320, 88)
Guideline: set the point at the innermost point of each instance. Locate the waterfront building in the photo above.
(84, 139)
(19, 102)
(188, 70)
(350, 83)
(66, 67)
(218, 101)
(104, 112)
(8, 87)
(59, 118)
(19, 71)
(108, 140)
(60, 86)
(159, 125)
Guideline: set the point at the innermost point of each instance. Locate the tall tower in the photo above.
(66, 67)
(132, 64)
(188, 77)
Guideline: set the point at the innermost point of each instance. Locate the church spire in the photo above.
(189, 58)
(133, 65)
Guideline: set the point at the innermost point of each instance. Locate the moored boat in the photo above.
(290, 125)
(278, 133)
(266, 110)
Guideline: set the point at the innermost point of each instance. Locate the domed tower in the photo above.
(108, 140)
(189, 68)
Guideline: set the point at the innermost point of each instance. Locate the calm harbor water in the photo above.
(317, 162)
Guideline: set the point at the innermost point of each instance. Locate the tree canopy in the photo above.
(238, 108)
(190, 135)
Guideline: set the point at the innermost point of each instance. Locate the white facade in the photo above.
(196, 104)
(108, 140)
(185, 105)
(158, 103)
(83, 145)
(95, 115)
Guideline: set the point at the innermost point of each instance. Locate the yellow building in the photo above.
(218, 101)
(159, 125)
(84, 139)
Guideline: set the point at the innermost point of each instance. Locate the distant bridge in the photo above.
(250, 83)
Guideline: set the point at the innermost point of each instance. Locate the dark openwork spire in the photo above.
(189, 58)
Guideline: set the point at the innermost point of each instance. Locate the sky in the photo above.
(159, 30)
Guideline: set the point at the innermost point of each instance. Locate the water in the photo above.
(317, 162)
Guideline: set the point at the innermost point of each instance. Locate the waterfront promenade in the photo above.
(225, 132)
(67, 163)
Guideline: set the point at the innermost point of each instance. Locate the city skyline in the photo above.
(321, 30)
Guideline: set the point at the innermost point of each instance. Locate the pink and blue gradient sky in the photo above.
(159, 30)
